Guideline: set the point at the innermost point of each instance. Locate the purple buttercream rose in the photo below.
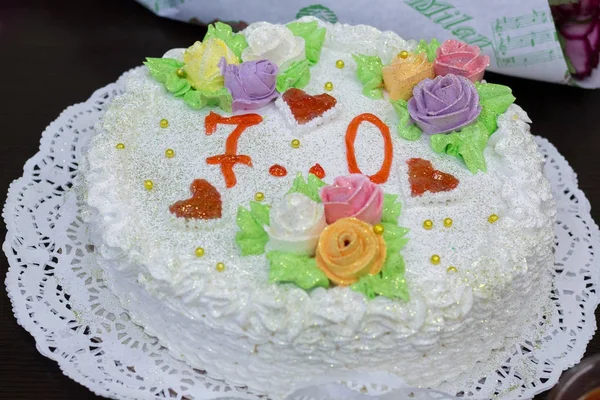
(252, 83)
(444, 104)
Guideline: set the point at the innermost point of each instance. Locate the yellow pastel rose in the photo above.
(401, 76)
(202, 63)
(349, 249)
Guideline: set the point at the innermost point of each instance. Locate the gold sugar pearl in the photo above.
(451, 269)
(435, 259)
(170, 153)
(339, 64)
(328, 86)
(378, 229)
(259, 196)
(428, 224)
(199, 252)
(164, 123)
(493, 218)
(220, 267)
(295, 143)
(403, 54)
(120, 146)
(181, 73)
(447, 222)
(148, 184)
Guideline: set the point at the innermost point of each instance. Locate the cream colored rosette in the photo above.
(275, 43)
(202, 64)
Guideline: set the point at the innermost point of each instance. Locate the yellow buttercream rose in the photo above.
(202, 64)
(349, 249)
(402, 75)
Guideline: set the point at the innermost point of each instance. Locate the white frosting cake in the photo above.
(237, 325)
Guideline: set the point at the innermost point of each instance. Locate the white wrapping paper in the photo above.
(518, 35)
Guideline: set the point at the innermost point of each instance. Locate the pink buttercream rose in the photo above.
(353, 196)
(459, 58)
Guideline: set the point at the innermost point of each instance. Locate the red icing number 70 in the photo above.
(230, 158)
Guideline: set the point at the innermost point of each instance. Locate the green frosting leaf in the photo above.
(391, 209)
(389, 282)
(468, 145)
(201, 98)
(369, 70)
(164, 70)
(313, 38)
(235, 41)
(494, 100)
(296, 75)
(252, 237)
(394, 236)
(294, 268)
(308, 188)
(406, 129)
(319, 11)
(428, 48)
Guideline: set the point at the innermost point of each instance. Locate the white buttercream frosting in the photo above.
(236, 325)
(272, 42)
(295, 224)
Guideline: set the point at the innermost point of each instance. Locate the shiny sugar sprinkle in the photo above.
(259, 196)
(164, 123)
(220, 267)
(295, 143)
(403, 54)
(148, 184)
(169, 153)
(339, 64)
(428, 224)
(493, 218)
(378, 229)
(199, 252)
(328, 86)
(435, 259)
(120, 146)
(447, 222)
(451, 269)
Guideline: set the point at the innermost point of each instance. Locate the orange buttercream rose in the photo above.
(349, 249)
(401, 76)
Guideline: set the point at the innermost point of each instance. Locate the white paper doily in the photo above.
(58, 295)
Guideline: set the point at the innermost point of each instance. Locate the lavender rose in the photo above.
(444, 104)
(252, 83)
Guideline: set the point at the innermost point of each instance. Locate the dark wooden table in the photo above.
(56, 53)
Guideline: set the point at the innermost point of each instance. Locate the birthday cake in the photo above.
(301, 200)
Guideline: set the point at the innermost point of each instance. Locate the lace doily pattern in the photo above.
(59, 295)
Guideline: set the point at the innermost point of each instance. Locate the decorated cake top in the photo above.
(334, 225)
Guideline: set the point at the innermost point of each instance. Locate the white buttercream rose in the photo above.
(295, 225)
(275, 43)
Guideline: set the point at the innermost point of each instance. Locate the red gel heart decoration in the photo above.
(317, 171)
(278, 170)
(205, 202)
(423, 178)
(305, 107)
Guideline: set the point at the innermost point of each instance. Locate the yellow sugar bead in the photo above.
(164, 123)
(435, 259)
(493, 218)
(199, 252)
(403, 54)
(428, 224)
(378, 229)
(148, 184)
(295, 143)
(328, 86)
(170, 153)
(447, 222)
(120, 146)
(220, 267)
(259, 196)
(451, 269)
(339, 64)
(181, 73)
